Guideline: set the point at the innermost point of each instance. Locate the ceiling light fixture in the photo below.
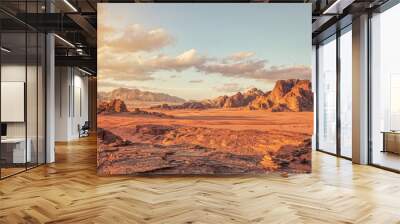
(80, 51)
(337, 7)
(5, 50)
(333, 6)
(84, 71)
(64, 40)
(70, 5)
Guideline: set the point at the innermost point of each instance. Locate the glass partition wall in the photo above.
(334, 93)
(327, 95)
(345, 62)
(385, 90)
(22, 98)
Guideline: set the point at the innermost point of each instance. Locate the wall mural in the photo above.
(204, 88)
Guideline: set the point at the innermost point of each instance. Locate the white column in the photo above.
(360, 90)
(50, 98)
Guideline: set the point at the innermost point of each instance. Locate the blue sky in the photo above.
(274, 34)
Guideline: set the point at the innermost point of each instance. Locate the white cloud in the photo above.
(239, 56)
(133, 38)
(139, 67)
(256, 69)
(179, 63)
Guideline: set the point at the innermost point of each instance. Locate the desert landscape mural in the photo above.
(170, 102)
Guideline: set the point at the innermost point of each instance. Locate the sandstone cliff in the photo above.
(114, 106)
(287, 95)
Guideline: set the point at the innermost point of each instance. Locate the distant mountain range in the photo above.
(136, 98)
(287, 95)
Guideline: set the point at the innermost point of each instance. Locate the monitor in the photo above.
(3, 129)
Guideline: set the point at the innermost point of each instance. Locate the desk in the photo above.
(15, 148)
(391, 141)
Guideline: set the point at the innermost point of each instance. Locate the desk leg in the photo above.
(384, 142)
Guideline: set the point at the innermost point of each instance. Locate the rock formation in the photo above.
(292, 158)
(114, 106)
(108, 138)
(287, 95)
(174, 149)
(242, 100)
(188, 105)
(237, 100)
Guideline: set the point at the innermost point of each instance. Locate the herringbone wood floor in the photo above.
(69, 191)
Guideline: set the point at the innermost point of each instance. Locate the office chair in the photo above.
(84, 130)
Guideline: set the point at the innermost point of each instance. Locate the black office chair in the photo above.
(84, 130)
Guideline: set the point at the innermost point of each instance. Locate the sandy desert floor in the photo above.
(246, 141)
(234, 119)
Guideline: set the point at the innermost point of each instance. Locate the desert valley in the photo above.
(248, 132)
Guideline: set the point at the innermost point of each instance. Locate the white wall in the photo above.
(62, 82)
(80, 110)
(16, 73)
(12, 73)
(71, 102)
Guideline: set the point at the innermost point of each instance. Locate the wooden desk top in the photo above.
(13, 140)
(391, 132)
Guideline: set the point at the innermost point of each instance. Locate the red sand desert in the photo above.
(267, 141)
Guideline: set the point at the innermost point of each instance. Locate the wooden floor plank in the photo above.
(69, 191)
